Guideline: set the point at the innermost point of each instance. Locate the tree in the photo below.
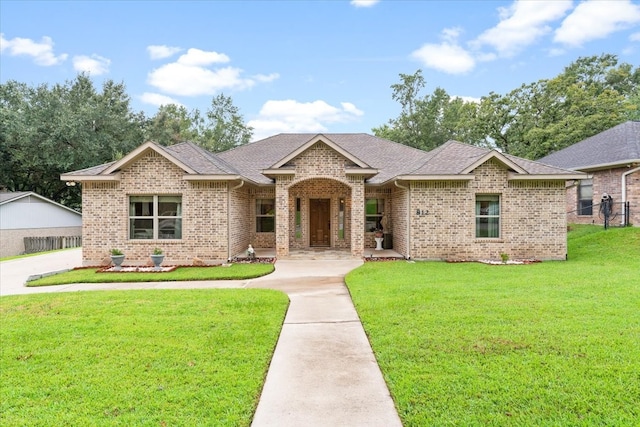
(428, 121)
(172, 124)
(224, 128)
(591, 95)
(46, 131)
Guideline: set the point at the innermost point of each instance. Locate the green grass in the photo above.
(143, 358)
(91, 275)
(548, 344)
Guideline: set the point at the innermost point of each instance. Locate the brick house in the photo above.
(612, 160)
(295, 191)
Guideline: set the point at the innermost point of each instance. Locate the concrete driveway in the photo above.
(323, 371)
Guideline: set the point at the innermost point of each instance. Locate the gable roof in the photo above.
(618, 146)
(14, 196)
(378, 159)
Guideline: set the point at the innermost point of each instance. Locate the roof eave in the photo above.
(90, 178)
(366, 172)
(512, 176)
(271, 172)
(629, 163)
(213, 177)
(443, 177)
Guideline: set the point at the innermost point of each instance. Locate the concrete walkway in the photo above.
(323, 371)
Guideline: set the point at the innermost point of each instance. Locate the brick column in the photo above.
(282, 215)
(357, 215)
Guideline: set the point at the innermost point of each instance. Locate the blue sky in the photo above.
(307, 66)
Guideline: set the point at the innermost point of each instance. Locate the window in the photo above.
(487, 216)
(374, 209)
(298, 218)
(585, 197)
(341, 220)
(155, 217)
(265, 216)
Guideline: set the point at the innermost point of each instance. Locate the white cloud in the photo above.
(593, 20)
(292, 116)
(197, 57)
(363, 3)
(266, 78)
(158, 99)
(192, 75)
(42, 53)
(162, 51)
(94, 64)
(635, 37)
(447, 56)
(522, 24)
(180, 79)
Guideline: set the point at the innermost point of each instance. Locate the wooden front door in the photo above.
(319, 222)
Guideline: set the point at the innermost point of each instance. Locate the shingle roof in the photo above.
(201, 160)
(389, 158)
(618, 145)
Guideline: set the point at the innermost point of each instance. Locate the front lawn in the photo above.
(92, 275)
(143, 358)
(554, 343)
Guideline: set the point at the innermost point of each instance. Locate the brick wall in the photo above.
(607, 181)
(532, 223)
(106, 212)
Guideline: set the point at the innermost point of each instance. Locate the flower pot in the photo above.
(157, 260)
(117, 261)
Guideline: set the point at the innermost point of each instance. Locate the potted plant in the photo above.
(117, 258)
(157, 257)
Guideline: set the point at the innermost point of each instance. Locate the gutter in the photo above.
(624, 188)
(229, 217)
(408, 255)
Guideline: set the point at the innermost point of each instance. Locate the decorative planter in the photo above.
(117, 261)
(379, 243)
(157, 260)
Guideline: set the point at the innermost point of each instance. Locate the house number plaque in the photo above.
(422, 212)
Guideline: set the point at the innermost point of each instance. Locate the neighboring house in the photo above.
(612, 160)
(27, 214)
(294, 191)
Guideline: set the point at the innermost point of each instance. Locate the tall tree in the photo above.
(172, 124)
(224, 127)
(46, 131)
(426, 121)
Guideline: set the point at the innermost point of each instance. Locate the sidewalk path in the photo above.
(323, 371)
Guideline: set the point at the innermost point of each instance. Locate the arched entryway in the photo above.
(320, 211)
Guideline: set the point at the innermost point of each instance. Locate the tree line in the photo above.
(48, 130)
(591, 95)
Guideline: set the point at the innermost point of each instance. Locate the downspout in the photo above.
(229, 218)
(624, 190)
(408, 255)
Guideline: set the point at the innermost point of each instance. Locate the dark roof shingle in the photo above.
(618, 145)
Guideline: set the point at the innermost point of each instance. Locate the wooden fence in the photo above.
(42, 244)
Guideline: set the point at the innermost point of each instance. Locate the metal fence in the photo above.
(50, 243)
(610, 214)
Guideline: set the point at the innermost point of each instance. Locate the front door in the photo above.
(319, 222)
